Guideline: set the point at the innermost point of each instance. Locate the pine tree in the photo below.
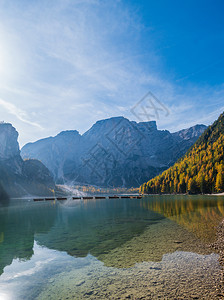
(219, 185)
(201, 170)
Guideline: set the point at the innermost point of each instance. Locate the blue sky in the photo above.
(66, 64)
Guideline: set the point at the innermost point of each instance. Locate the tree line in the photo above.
(201, 170)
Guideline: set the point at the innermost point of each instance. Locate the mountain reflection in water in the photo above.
(119, 232)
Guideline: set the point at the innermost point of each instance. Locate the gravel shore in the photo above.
(218, 246)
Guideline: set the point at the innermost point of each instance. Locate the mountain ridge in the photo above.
(113, 152)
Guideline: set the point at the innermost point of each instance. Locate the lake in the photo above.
(150, 248)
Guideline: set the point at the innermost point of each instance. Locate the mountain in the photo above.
(201, 170)
(19, 177)
(113, 152)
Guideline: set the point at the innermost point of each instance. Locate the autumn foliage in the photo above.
(201, 170)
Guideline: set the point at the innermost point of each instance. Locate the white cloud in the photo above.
(19, 113)
(69, 63)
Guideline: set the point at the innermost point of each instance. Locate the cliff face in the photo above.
(9, 146)
(55, 152)
(113, 152)
(18, 177)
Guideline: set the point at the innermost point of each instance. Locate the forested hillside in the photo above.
(201, 170)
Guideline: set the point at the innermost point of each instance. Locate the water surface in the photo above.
(154, 248)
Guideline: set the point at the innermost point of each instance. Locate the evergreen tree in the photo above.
(201, 170)
(219, 185)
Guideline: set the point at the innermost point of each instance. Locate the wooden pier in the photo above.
(98, 197)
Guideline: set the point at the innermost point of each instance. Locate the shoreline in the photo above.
(218, 194)
(185, 194)
(218, 247)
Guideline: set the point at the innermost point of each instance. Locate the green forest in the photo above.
(201, 170)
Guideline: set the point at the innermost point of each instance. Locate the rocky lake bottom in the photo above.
(154, 248)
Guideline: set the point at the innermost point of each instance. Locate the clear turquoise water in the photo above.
(154, 248)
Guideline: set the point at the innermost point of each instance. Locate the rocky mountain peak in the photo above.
(192, 132)
(18, 177)
(113, 152)
(9, 146)
(67, 133)
(147, 126)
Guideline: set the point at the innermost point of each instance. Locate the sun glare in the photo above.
(3, 61)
